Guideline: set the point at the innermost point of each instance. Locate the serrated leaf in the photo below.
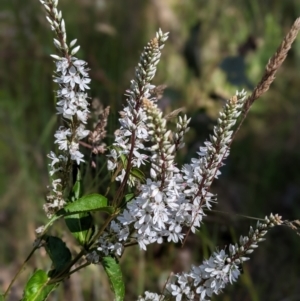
(37, 288)
(114, 273)
(91, 202)
(81, 226)
(137, 173)
(58, 253)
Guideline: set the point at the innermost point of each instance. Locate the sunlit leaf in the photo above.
(137, 173)
(91, 202)
(37, 288)
(114, 273)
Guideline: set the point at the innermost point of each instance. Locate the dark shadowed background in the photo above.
(215, 47)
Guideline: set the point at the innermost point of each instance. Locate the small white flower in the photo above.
(82, 115)
(125, 218)
(72, 77)
(66, 91)
(81, 132)
(111, 165)
(80, 64)
(139, 159)
(54, 158)
(62, 65)
(61, 136)
(76, 155)
(82, 100)
(82, 82)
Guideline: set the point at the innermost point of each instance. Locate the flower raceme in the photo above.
(133, 133)
(221, 269)
(172, 199)
(72, 78)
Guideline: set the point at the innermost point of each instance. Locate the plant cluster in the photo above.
(156, 201)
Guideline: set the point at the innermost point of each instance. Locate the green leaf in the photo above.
(114, 273)
(137, 173)
(124, 161)
(81, 226)
(1, 298)
(129, 197)
(58, 253)
(37, 288)
(76, 192)
(91, 202)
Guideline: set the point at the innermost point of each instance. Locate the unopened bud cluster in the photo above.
(163, 148)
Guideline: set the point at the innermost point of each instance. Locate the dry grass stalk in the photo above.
(273, 65)
(99, 133)
(294, 225)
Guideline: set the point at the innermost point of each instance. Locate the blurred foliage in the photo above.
(215, 47)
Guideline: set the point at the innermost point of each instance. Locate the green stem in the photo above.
(72, 272)
(102, 229)
(80, 267)
(235, 214)
(19, 272)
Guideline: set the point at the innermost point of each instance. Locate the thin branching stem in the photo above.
(19, 271)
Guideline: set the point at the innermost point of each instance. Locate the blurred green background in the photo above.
(215, 47)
